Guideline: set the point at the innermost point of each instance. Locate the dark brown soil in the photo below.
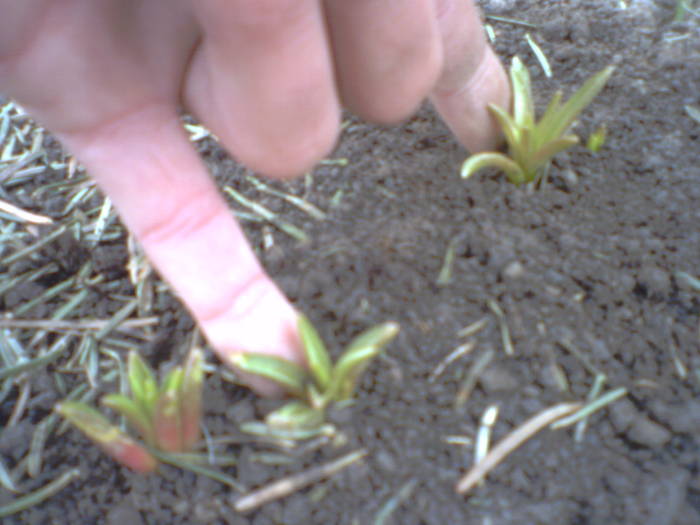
(589, 263)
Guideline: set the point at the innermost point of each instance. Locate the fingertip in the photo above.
(465, 110)
(262, 81)
(292, 155)
(388, 55)
(385, 106)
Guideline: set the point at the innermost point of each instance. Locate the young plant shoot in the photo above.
(323, 382)
(532, 143)
(166, 417)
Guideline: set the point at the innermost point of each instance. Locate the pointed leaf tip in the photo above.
(357, 357)
(142, 382)
(134, 414)
(288, 375)
(120, 446)
(315, 351)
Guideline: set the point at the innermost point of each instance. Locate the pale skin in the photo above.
(269, 78)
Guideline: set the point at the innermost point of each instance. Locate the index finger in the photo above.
(160, 186)
(472, 76)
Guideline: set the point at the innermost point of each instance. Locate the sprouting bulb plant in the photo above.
(323, 382)
(166, 417)
(532, 143)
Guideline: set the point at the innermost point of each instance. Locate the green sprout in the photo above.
(322, 383)
(166, 417)
(531, 143)
(596, 140)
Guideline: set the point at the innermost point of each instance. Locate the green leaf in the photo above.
(295, 415)
(523, 107)
(142, 381)
(167, 418)
(356, 357)
(134, 414)
(288, 375)
(511, 131)
(522, 155)
(597, 138)
(258, 428)
(553, 108)
(559, 122)
(191, 398)
(316, 354)
(497, 160)
(173, 381)
(552, 148)
(108, 437)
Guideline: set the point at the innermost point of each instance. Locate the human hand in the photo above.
(267, 77)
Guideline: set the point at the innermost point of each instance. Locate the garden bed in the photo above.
(595, 275)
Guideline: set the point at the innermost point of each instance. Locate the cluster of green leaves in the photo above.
(323, 382)
(532, 143)
(166, 417)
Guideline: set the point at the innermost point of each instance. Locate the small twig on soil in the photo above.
(451, 358)
(20, 402)
(286, 486)
(342, 161)
(445, 276)
(28, 277)
(49, 423)
(513, 21)
(267, 215)
(45, 296)
(34, 247)
(39, 495)
(590, 408)
(118, 318)
(693, 112)
(511, 442)
(473, 328)
(185, 463)
(6, 480)
(462, 441)
(681, 369)
(483, 436)
(54, 353)
(688, 280)
(592, 395)
(18, 165)
(569, 346)
(23, 215)
(395, 501)
(300, 203)
(539, 54)
(469, 382)
(505, 332)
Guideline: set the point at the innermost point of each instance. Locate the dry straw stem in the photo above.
(505, 332)
(451, 358)
(78, 325)
(589, 408)
(23, 215)
(512, 441)
(39, 495)
(393, 503)
(475, 371)
(473, 328)
(286, 486)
